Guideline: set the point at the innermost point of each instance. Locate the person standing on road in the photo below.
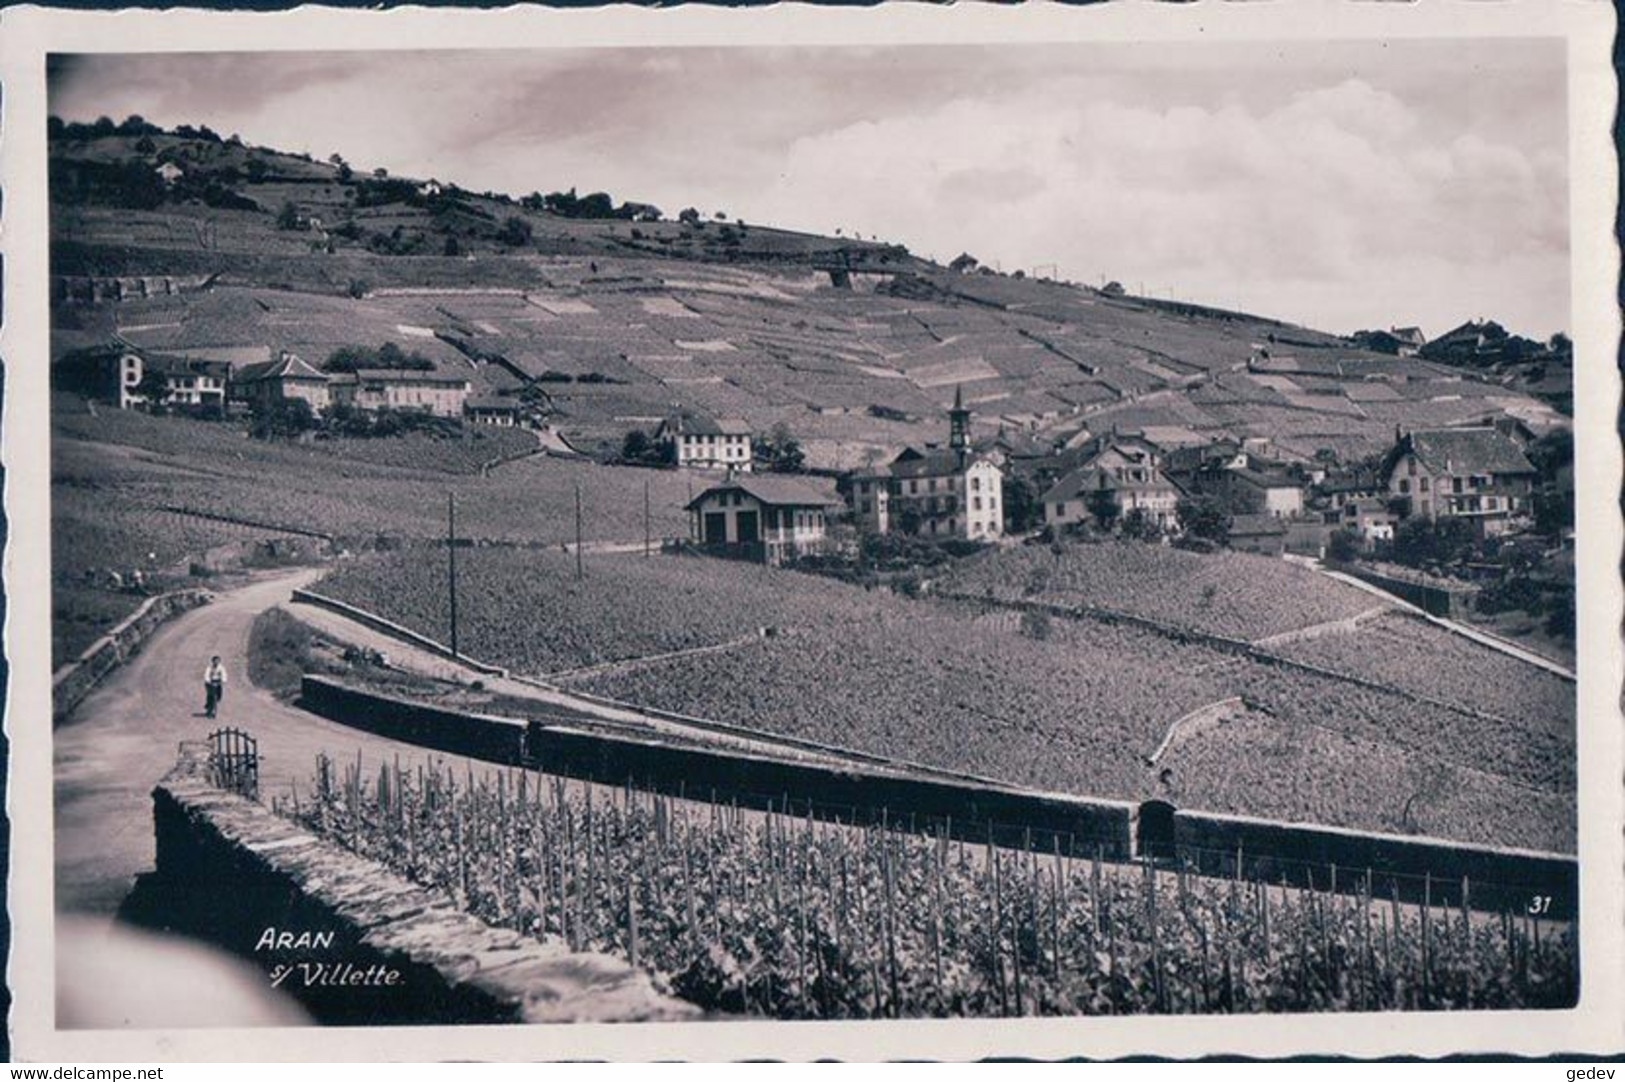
(214, 685)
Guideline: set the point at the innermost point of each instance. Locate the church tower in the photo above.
(959, 423)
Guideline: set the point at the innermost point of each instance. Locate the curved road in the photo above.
(123, 738)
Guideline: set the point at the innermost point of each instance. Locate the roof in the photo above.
(1462, 450)
(771, 491)
(490, 402)
(1016, 445)
(172, 366)
(933, 462)
(691, 424)
(1091, 479)
(409, 375)
(1165, 437)
(287, 366)
(1256, 526)
(1264, 479)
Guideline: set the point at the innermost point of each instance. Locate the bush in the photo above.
(1343, 546)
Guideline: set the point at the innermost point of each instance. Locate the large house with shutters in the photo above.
(761, 517)
(114, 371)
(706, 442)
(938, 492)
(1479, 474)
(1122, 475)
(425, 391)
(283, 380)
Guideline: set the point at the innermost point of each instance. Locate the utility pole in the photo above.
(578, 530)
(646, 536)
(451, 561)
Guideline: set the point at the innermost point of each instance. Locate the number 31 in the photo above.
(1540, 904)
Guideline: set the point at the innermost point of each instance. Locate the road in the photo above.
(122, 739)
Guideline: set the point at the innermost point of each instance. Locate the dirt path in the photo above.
(122, 739)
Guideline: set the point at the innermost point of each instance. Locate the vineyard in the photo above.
(1234, 594)
(1459, 670)
(785, 916)
(1073, 706)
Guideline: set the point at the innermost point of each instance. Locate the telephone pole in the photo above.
(578, 530)
(451, 561)
(646, 532)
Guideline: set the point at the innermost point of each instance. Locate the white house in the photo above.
(707, 443)
(764, 518)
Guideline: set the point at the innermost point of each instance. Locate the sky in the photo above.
(1336, 184)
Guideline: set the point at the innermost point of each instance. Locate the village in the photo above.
(1473, 481)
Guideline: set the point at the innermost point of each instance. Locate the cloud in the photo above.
(1342, 185)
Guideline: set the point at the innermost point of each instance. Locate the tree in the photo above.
(1421, 541)
(451, 247)
(1140, 526)
(1022, 510)
(282, 419)
(1102, 504)
(688, 215)
(515, 232)
(288, 217)
(1205, 517)
(1343, 546)
(779, 451)
(255, 168)
(153, 387)
(638, 447)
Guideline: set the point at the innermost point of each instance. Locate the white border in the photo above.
(1596, 1025)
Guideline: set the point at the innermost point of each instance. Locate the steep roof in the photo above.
(184, 366)
(490, 402)
(932, 462)
(287, 366)
(771, 491)
(693, 424)
(1462, 450)
(1092, 479)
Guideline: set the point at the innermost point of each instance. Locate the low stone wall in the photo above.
(1436, 600)
(1413, 868)
(480, 736)
(394, 630)
(375, 947)
(968, 809)
(75, 680)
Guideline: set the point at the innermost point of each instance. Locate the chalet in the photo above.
(1013, 451)
(765, 518)
(493, 410)
(706, 443)
(964, 263)
(1479, 474)
(1396, 342)
(1129, 478)
(932, 492)
(424, 391)
(1236, 475)
(169, 173)
(1353, 487)
(282, 380)
(115, 370)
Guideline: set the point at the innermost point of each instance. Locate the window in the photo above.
(1455, 484)
(975, 484)
(976, 503)
(933, 484)
(1060, 510)
(1404, 487)
(1410, 466)
(1423, 485)
(864, 507)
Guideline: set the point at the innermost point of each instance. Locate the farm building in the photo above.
(492, 410)
(114, 372)
(439, 393)
(770, 519)
(1372, 519)
(705, 442)
(1128, 478)
(1263, 534)
(935, 492)
(1479, 474)
(282, 380)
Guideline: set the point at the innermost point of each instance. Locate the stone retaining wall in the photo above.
(228, 870)
(75, 680)
(1413, 868)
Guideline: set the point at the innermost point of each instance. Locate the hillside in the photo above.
(855, 345)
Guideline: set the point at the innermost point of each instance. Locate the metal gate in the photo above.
(234, 762)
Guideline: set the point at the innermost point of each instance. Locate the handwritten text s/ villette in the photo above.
(320, 974)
